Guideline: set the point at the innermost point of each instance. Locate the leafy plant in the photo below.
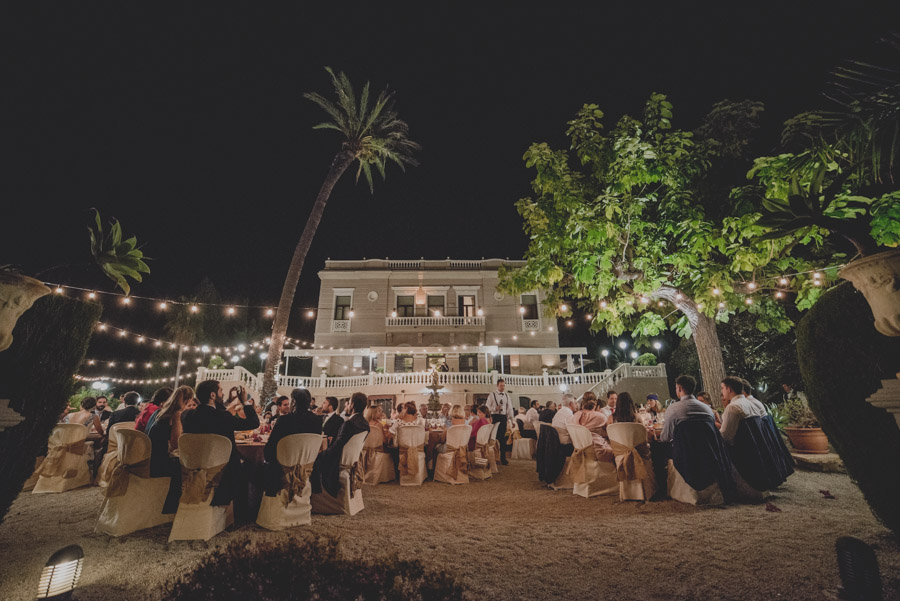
(215, 362)
(778, 415)
(119, 258)
(798, 414)
(646, 359)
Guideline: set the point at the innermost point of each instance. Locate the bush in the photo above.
(49, 344)
(646, 359)
(797, 413)
(307, 568)
(842, 359)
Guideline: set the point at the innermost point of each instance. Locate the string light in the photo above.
(749, 301)
(194, 308)
(779, 294)
(270, 312)
(783, 281)
(163, 305)
(310, 313)
(603, 304)
(563, 308)
(126, 301)
(231, 310)
(59, 290)
(716, 291)
(752, 285)
(92, 296)
(721, 305)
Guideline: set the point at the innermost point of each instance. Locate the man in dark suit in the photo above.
(128, 412)
(331, 421)
(326, 472)
(299, 421)
(211, 418)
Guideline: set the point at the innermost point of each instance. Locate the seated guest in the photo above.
(128, 412)
(469, 415)
(326, 472)
(86, 416)
(565, 414)
(483, 419)
(595, 420)
(625, 414)
(609, 407)
(457, 417)
(210, 418)
(687, 407)
(101, 409)
(283, 405)
(737, 407)
(706, 398)
(164, 430)
(156, 401)
(525, 429)
(445, 414)
(532, 415)
(373, 415)
(423, 411)
(652, 407)
(297, 420)
(331, 421)
(548, 413)
(407, 417)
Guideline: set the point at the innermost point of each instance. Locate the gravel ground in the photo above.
(533, 543)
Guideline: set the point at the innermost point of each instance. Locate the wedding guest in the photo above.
(209, 418)
(457, 417)
(483, 419)
(652, 406)
(687, 407)
(612, 398)
(326, 472)
(548, 413)
(128, 412)
(469, 416)
(294, 418)
(407, 417)
(164, 429)
(423, 411)
(564, 416)
(284, 405)
(331, 421)
(101, 409)
(445, 414)
(626, 413)
(373, 415)
(748, 390)
(706, 398)
(532, 415)
(595, 420)
(86, 416)
(737, 407)
(156, 401)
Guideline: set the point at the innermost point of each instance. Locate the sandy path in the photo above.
(533, 542)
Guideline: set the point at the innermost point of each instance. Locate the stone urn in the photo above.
(17, 294)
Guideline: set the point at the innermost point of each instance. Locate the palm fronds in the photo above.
(119, 259)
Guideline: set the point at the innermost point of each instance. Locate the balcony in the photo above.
(531, 325)
(434, 322)
(340, 325)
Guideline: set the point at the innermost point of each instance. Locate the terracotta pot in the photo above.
(17, 294)
(878, 278)
(808, 440)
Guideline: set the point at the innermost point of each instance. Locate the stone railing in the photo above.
(416, 322)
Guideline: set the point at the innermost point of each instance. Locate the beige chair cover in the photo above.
(523, 448)
(411, 442)
(134, 501)
(112, 456)
(478, 469)
(589, 476)
(203, 457)
(633, 466)
(377, 465)
(452, 466)
(291, 506)
(33, 478)
(493, 450)
(66, 464)
(350, 499)
(681, 491)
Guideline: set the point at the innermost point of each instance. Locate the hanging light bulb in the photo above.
(122, 334)
(130, 365)
(149, 365)
(660, 304)
(92, 295)
(163, 305)
(749, 301)
(716, 291)
(59, 290)
(270, 312)
(678, 296)
(126, 301)
(480, 312)
(817, 275)
(589, 317)
(569, 323)
(310, 313)
(779, 294)
(563, 308)
(522, 309)
(90, 362)
(194, 308)
(752, 285)
(783, 281)
(157, 343)
(165, 364)
(102, 327)
(603, 304)
(393, 314)
(231, 310)
(721, 305)
(140, 339)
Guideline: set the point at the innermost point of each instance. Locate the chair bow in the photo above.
(197, 484)
(52, 466)
(578, 464)
(459, 462)
(120, 476)
(356, 474)
(630, 461)
(368, 458)
(409, 459)
(295, 478)
(494, 447)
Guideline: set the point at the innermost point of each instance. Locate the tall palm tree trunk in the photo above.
(341, 161)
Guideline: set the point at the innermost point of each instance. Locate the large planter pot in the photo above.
(808, 440)
(878, 278)
(17, 294)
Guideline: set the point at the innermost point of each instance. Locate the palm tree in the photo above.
(373, 135)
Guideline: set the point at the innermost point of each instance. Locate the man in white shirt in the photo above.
(532, 416)
(738, 406)
(500, 406)
(564, 417)
(687, 407)
(612, 399)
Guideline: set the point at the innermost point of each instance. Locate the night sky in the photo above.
(189, 125)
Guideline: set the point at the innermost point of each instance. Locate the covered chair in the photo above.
(377, 465)
(700, 470)
(493, 449)
(296, 454)
(479, 464)
(452, 465)
(590, 477)
(134, 501)
(111, 458)
(66, 464)
(349, 500)
(760, 455)
(204, 458)
(523, 448)
(411, 442)
(549, 455)
(633, 467)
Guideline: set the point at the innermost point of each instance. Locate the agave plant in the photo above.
(119, 259)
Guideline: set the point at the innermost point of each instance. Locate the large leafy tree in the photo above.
(372, 135)
(640, 226)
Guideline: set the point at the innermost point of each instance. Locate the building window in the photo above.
(468, 362)
(341, 307)
(435, 305)
(467, 306)
(403, 363)
(530, 304)
(406, 306)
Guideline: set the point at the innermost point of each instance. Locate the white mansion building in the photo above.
(383, 325)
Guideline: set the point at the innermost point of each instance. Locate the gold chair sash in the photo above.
(578, 464)
(357, 476)
(52, 467)
(120, 476)
(196, 485)
(460, 461)
(409, 459)
(482, 449)
(630, 461)
(493, 446)
(368, 458)
(294, 479)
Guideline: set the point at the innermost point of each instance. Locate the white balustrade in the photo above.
(414, 322)
(531, 325)
(465, 264)
(340, 325)
(405, 264)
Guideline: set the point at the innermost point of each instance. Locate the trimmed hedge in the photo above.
(843, 360)
(49, 344)
(301, 568)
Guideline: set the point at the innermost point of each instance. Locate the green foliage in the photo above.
(119, 258)
(373, 132)
(215, 362)
(646, 359)
(798, 414)
(36, 374)
(78, 396)
(778, 415)
(843, 360)
(301, 568)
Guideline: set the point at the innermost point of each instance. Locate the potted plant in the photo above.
(802, 427)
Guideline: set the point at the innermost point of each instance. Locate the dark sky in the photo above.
(189, 125)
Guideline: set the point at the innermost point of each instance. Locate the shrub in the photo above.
(797, 413)
(646, 359)
(36, 373)
(842, 359)
(778, 415)
(307, 568)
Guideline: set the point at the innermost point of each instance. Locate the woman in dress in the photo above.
(164, 433)
(595, 421)
(86, 417)
(408, 416)
(457, 416)
(625, 414)
(483, 419)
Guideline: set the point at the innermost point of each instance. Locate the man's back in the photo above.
(739, 408)
(128, 413)
(686, 408)
(300, 422)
